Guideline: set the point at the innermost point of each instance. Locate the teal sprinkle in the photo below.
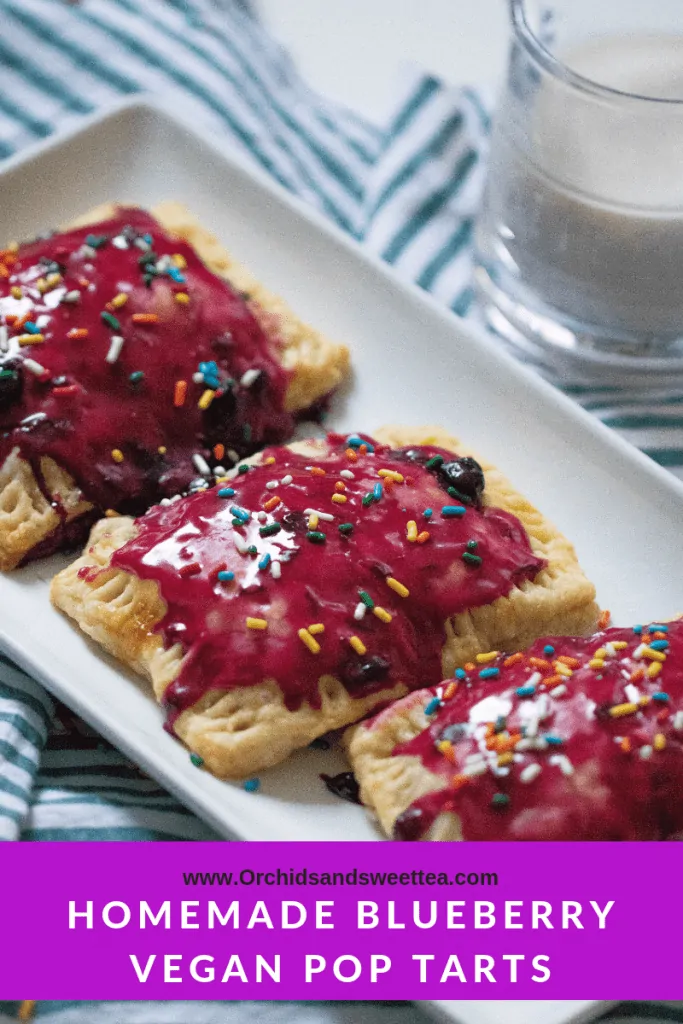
(659, 645)
(554, 741)
(657, 627)
(489, 673)
(460, 673)
(377, 492)
(264, 562)
(175, 274)
(637, 630)
(354, 442)
(225, 577)
(500, 724)
(270, 530)
(136, 376)
(240, 513)
(110, 320)
(252, 785)
(660, 696)
(433, 706)
(549, 650)
(366, 599)
(196, 760)
(448, 511)
(316, 537)
(428, 513)
(96, 241)
(31, 328)
(525, 691)
(434, 462)
(226, 492)
(471, 559)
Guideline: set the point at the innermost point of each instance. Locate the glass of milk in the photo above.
(580, 241)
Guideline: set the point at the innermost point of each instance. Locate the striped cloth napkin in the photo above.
(408, 189)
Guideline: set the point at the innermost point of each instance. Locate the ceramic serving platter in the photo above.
(413, 363)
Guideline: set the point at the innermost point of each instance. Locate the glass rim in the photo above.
(543, 56)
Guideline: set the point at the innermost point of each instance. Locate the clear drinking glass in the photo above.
(580, 241)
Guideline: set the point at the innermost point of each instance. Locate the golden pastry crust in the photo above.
(249, 728)
(318, 365)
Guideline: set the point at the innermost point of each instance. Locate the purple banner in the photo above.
(341, 921)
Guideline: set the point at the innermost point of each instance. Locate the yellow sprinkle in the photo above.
(310, 642)
(257, 623)
(563, 670)
(358, 645)
(183, 298)
(506, 758)
(644, 701)
(111, 513)
(445, 747)
(600, 653)
(411, 529)
(659, 741)
(317, 627)
(488, 656)
(117, 455)
(653, 669)
(119, 300)
(162, 449)
(340, 499)
(313, 521)
(619, 710)
(619, 645)
(654, 655)
(31, 339)
(596, 663)
(206, 399)
(16, 292)
(390, 474)
(269, 461)
(381, 613)
(42, 285)
(53, 280)
(397, 587)
(179, 261)
(13, 247)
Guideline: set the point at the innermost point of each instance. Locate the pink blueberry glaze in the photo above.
(83, 408)
(580, 770)
(182, 546)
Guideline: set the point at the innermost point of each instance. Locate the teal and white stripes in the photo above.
(409, 190)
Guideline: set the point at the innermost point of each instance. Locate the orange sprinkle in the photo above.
(272, 503)
(605, 619)
(490, 729)
(625, 745)
(363, 449)
(78, 333)
(458, 781)
(446, 748)
(569, 662)
(450, 690)
(663, 715)
(637, 675)
(423, 537)
(508, 742)
(514, 659)
(180, 393)
(145, 318)
(4, 272)
(219, 451)
(658, 635)
(317, 471)
(340, 485)
(469, 667)
(539, 662)
(351, 455)
(84, 282)
(553, 680)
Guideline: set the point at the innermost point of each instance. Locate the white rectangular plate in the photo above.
(414, 363)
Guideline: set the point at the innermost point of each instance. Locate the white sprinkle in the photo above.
(542, 706)
(326, 517)
(4, 339)
(219, 471)
(87, 252)
(275, 570)
(539, 744)
(525, 744)
(563, 763)
(201, 465)
(359, 613)
(347, 474)
(115, 347)
(272, 484)
(34, 367)
(262, 517)
(249, 377)
(646, 752)
(287, 479)
(534, 680)
(197, 378)
(74, 296)
(119, 242)
(632, 693)
(141, 244)
(638, 653)
(477, 768)
(531, 772)
(558, 691)
(240, 543)
(232, 455)
(610, 650)
(163, 263)
(678, 721)
(474, 758)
